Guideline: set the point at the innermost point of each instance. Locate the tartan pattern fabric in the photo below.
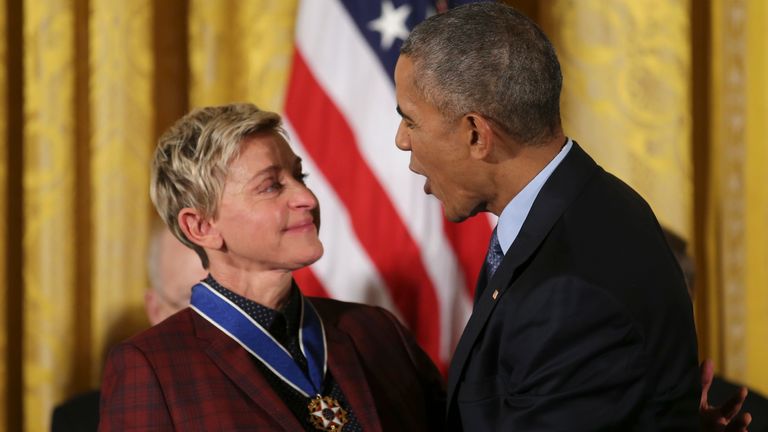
(185, 374)
(283, 325)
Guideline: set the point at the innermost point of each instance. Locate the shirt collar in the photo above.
(287, 317)
(514, 214)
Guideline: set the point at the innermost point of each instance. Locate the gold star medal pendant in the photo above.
(326, 414)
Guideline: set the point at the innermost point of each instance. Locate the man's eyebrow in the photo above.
(402, 114)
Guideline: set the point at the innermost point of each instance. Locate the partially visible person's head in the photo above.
(490, 59)
(173, 269)
(226, 182)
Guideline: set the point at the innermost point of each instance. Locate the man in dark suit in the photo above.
(581, 319)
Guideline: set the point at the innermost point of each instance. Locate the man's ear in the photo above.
(199, 229)
(480, 135)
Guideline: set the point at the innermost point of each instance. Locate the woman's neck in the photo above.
(267, 288)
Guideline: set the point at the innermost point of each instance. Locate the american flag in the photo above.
(386, 242)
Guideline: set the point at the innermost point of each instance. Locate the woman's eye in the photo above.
(273, 187)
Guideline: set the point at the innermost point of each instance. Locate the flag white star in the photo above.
(391, 23)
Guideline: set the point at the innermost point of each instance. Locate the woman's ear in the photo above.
(480, 133)
(199, 229)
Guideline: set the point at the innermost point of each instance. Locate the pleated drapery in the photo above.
(736, 237)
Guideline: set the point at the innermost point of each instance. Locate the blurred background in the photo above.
(669, 95)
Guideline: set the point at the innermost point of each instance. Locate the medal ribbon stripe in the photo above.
(316, 354)
(233, 321)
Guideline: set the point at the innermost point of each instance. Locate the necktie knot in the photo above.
(494, 257)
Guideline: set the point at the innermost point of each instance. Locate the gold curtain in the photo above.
(49, 205)
(737, 238)
(91, 84)
(240, 51)
(87, 135)
(626, 92)
(121, 116)
(756, 193)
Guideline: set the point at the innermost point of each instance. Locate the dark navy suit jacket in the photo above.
(586, 325)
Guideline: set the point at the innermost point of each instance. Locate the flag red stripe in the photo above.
(309, 283)
(469, 240)
(318, 123)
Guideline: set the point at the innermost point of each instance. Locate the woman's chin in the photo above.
(311, 256)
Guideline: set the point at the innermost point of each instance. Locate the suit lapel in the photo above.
(344, 364)
(558, 192)
(237, 364)
(482, 282)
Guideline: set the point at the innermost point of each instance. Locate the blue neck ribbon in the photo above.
(233, 321)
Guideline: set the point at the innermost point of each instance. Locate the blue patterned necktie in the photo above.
(494, 256)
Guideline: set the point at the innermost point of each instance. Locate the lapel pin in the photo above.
(495, 294)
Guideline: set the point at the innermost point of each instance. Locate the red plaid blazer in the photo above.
(185, 374)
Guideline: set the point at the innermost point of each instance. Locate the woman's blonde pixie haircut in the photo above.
(191, 160)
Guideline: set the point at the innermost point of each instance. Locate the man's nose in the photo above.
(402, 141)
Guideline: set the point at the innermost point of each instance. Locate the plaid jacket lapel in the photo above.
(344, 364)
(235, 362)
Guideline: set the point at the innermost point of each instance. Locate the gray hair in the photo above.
(490, 59)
